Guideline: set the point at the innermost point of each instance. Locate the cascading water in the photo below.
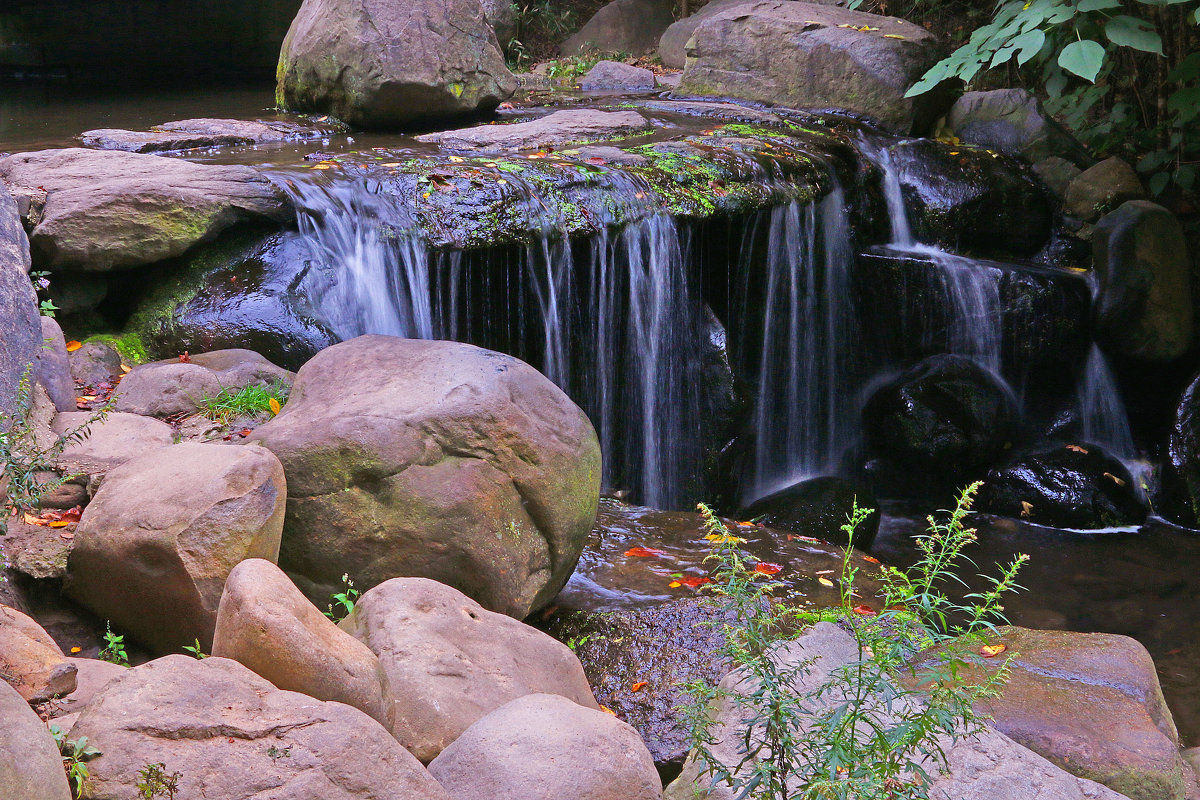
(1101, 409)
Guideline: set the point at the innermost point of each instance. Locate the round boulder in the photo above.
(165, 389)
(158, 540)
(1101, 188)
(433, 459)
(30, 766)
(544, 747)
(818, 508)
(379, 64)
(30, 661)
(1012, 121)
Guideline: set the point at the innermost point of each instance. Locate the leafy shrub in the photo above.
(75, 755)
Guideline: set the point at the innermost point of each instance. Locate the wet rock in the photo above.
(380, 64)
(30, 765)
(972, 202)
(118, 438)
(622, 26)
(946, 415)
(1144, 308)
(94, 362)
(987, 766)
(544, 747)
(555, 130)
(1057, 173)
(615, 75)
(187, 134)
(229, 733)
(450, 662)
(158, 540)
(96, 210)
(20, 331)
(30, 661)
(244, 291)
(51, 368)
(1013, 121)
(1064, 486)
(830, 63)
(165, 389)
(1181, 473)
(818, 508)
(1101, 188)
(446, 461)
(1126, 740)
(265, 623)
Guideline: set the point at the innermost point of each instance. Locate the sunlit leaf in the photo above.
(825, 582)
(274, 405)
(992, 650)
(644, 552)
(637, 687)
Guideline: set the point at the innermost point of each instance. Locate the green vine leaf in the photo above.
(1133, 32)
(1083, 58)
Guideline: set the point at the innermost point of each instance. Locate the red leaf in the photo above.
(637, 687)
(865, 611)
(185, 357)
(767, 568)
(644, 552)
(695, 581)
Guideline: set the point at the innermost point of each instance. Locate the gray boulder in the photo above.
(1144, 308)
(163, 389)
(20, 331)
(615, 75)
(52, 368)
(544, 747)
(1101, 188)
(229, 733)
(556, 130)
(30, 661)
(30, 766)
(1057, 173)
(187, 134)
(622, 26)
(672, 47)
(103, 210)
(110, 443)
(379, 64)
(450, 662)
(94, 362)
(434, 459)
(1013, 121)
(806, 55)
(158, 540)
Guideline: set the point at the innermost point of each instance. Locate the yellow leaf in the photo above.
(58, 523)
(320, 166)
(892, 36)
(274, 405)
(1115, 479)
(992, 650)
(674, 584)
(607, 710)
(391, 164)
(73, 345)
(30, 519)
(76, 649)
(457, 159)
(126, 368)
(825, 582)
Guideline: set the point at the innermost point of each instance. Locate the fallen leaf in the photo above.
(767, 568)
(825, 582)
(872, 559)
(597, 160)
(73, 345)
(1026, 508)
(506, 105)
(1114, 479)
(637, 687)
(319, 166)
(273, 404)
(674, 585)
(607, 710)
(185, 357)
(892, 36)
(76, 649)
(865, 611)
(125, 368)
(992, 650)
(643, 552)
(391, 164)
(1077, 448)
(457, 159)
(696, 581)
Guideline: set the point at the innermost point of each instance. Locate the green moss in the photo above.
(129, 345)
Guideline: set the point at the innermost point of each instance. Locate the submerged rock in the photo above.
(806, 55)
(379, 64)
(187, 134)
(623, 26)
(1013, 121)
(1064, 486)
(819, 508)
(555, 130)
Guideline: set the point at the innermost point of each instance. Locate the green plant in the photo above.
(869, 729)
(114, 647)
(249, 401)
(195, 650)
(343, 602)
(24, 454)
(154, 781)
(41, 283)
(541, 26)
(75, 755)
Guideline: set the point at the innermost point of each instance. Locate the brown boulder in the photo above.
(622, 26)
(1101, 188)
(265, 623)
(158, 540)
(544, 747)
(30, 766)
(119, 438)
(449, 661)
(30, 661)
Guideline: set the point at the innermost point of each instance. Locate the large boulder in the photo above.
(616, 75)
(118, 438)
(30, 661)
(1012, 121)
(446, 461)
(622, 26)
(1101, 188)
(806, 55)
(544, 747)
(265, 623)
(180, 385)
(158, 540)
(449, 661)
(20, 331)
(1064, 486)
(380, 64)
(1124, 738)
(672, 45)
(987, 766)
(104, 210)
(229, 733)
(818, 508)
(1144, 308)
(30, 765)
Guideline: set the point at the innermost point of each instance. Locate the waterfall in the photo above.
(1101, 409)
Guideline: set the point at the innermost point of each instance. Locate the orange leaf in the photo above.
(185, 357)
(76, 650)
(674, 585)
(767, 568)
(73, 345)
(30, 519)
(637, 687)
(643, 552)
(607, 710)
(1077, 448)
(57, 523)
(125, 368)
(274, 405)
(865, 611)
(872, 559)
(696, 581)
(992, 650)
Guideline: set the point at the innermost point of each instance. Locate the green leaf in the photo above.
(1099, 5)
(1185, 103)
(1029, 44)
(1158, 182)
(1185, 176)
(1133, 32)
(1083, 58)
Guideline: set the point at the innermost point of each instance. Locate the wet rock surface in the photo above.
(555, 130)
(818, 507)
(189, 134)
(1013, 121)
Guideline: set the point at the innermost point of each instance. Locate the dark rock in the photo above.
(945, 415)
(971, 201)
(52, 369)
(829, 62)
(187, 134)
(1144, 309)
(555, 130)
(1064, 486)
(1181, 473)
(622, 26)
(1013, 121)
(20, 330)
(1100, 189)
(615, 75)
(379, 64)
(502, 16)
(818, 508)
(1057, 173)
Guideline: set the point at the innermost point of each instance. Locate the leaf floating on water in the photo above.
(825, 582)
(992, 650)
(320, 166)
(73, 345)
(1076, 448)
(864, 610)
(767, 568)
(674, 585)
(637, 687)
(644, 552)
(696, 581)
